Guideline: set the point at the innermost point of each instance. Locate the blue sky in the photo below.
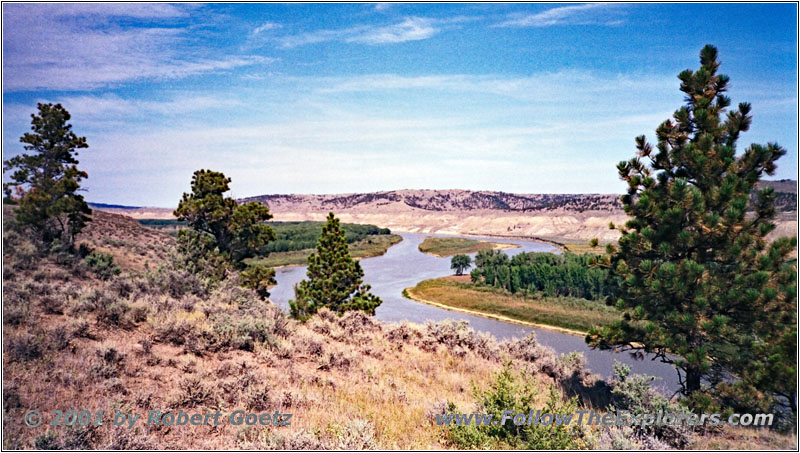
(336, 98)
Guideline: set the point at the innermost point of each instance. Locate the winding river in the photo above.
(403, 266)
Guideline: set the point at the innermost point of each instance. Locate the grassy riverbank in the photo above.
(373, 245)
(586, 248)
(442, 247)
(569, 313)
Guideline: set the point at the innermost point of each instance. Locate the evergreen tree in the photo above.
(460, 263)
(220, 224)
(223, 233)
(699, 285)
(47, 181)
(334, 278)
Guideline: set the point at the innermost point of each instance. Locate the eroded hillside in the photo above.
(562, 218)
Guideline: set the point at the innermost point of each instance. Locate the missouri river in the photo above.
(403, 266)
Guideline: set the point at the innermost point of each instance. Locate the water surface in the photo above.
(403, 266)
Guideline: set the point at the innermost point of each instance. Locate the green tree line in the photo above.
(551, 275)
(291, 236)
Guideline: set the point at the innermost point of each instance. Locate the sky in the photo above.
(343, 98)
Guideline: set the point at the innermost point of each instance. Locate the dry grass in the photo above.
(353, 375)
(738, 438)
(579, 248)
(133, 246)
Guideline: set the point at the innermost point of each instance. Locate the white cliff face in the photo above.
(558, 217)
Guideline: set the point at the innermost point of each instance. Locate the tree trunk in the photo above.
(692, 381)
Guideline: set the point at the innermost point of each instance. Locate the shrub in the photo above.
(510, 391)
(281, 325)
(625, 438)
(102, 264)
(295, 440)
(354, 322)
(193, 392)
(94, 299)
(52, 305)
(356, 434)
(308, 344)
(114, 313)
(79, 328)
(123, 438)
(340, 360)
(108, 362)
(403, 333)
(15, 310)
(458, 337)
(25, 347)
(175, 280)
(633, 393)
(23, 253)
(11, 399)
(47, 441)
(60, 338)
(122, 287)
(173, 330)
(258, 399)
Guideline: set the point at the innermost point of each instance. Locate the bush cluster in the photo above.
(517, 392)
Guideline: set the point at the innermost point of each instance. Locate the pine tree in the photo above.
(219, 223)
(222, 233)
(334, 278)
(700, 286)
(48, 180)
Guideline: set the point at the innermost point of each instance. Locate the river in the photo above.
(403, 266)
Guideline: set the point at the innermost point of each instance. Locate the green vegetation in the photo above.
(518, 392)
(372, 245)
(46, 182)
(222, 233)
(700, 287)
(169, 226)
(551, 275)
(102, 264)
(592, 246)
(460, 263)
(334, 278)
(564, 312)
(233, 230)
(292, 236)
(458, 246)
(295, 242)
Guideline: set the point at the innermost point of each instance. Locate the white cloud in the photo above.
(542, 87)
(409, 29)
(560, 131)
(132, 10)
(266, 26)
(80, 47)
(564, 15)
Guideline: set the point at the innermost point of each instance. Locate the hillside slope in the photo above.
(163, 341)
(565, 218)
